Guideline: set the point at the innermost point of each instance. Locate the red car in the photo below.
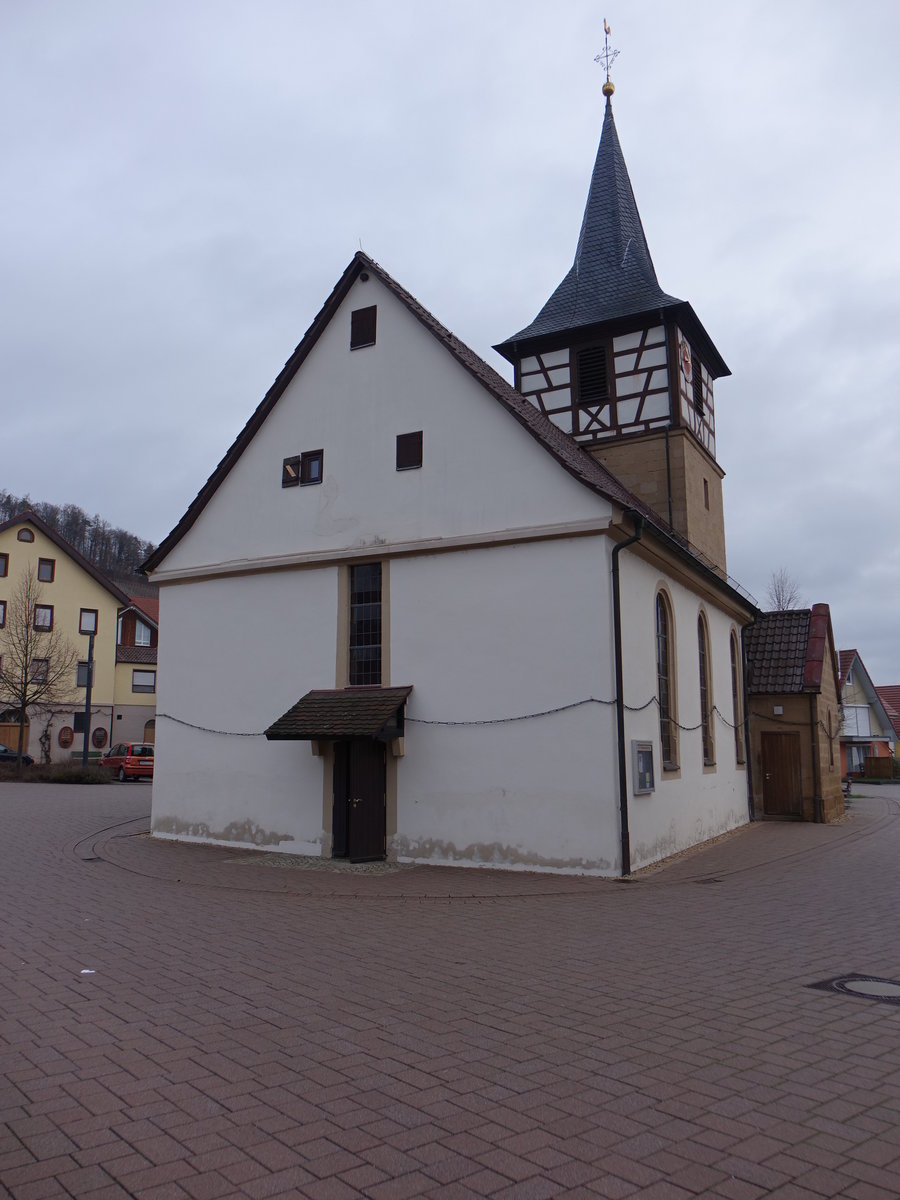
(129, 760)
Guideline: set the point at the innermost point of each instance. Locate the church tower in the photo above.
(626, 369)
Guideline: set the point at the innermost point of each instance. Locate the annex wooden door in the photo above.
(782, 795)
(358, 816)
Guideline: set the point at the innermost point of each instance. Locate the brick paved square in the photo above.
(257, 1032)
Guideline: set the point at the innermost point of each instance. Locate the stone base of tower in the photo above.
(675, 477)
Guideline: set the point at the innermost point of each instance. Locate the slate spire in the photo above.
(613, 274)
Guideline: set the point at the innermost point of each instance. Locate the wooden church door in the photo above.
(358, 815)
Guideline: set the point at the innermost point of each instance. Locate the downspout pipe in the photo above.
(818, 802)
(637, 521)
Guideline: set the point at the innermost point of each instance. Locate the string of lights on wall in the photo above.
(546, 712)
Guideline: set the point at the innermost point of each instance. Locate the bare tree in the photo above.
(783, 592)
(37, 670)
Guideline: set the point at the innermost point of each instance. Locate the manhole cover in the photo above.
(870, 987)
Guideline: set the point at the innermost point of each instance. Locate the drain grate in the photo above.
(869, 987)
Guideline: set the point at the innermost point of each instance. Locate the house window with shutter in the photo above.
(311, 466)
(593, 378)
(409, 450)
(362, 327)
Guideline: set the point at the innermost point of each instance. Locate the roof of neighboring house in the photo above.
(344, 712)
(31, 518)
(847, 657)
(136, 654)
(863, 681)
(148, 605)
(890, 698)
(613, 274)
(787, 651)
(586, 469)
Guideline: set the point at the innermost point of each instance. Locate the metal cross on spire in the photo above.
(607, 57)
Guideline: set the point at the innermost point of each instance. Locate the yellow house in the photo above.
(75, 600)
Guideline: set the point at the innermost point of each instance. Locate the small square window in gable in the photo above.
(46, 569)
(362, 327)
(290, 472)
(4, 565)
(409, 450)
(312, 463)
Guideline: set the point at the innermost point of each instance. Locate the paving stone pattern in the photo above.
(445, 1033)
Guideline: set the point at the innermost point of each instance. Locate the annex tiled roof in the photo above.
(775, 647)
(563, 448)
(789, 651)
(340, 713)
(890, 698)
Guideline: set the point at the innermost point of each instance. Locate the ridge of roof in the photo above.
(820, 633)
(29, 516)
(583, 466)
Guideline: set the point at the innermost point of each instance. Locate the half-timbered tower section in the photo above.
(625, 368)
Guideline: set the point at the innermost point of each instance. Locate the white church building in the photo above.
(419, 613)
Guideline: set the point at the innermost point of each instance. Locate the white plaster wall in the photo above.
(500, 633)
(234, 654)
(482, 472)
(697, 803)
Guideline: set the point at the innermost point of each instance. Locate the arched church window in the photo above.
(706, 725)
(665, 683)
(737, 697)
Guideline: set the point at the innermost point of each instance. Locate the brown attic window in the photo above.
(25, 535)
(593, 381)
(409, 450)
(311, 463)
(362, 327)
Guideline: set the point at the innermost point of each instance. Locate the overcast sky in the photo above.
(185, 180)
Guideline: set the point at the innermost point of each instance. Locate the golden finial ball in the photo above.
(608, 88)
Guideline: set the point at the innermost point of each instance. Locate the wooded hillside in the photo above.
(115, 551)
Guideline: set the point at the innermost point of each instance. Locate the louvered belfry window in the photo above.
(593, 382)
(697, 382)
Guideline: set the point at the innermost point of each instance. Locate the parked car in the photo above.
(8, 755)
(129, 760)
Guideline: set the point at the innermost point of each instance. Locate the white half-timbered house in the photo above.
(419, 612)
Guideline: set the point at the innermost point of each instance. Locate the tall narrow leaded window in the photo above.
(665, 676)
(706, 729)
(737, 706)
(365, 624)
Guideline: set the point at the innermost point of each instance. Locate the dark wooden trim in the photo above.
(4, 565)
(52, 564)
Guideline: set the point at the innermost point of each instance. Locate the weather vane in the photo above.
(607, 57)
